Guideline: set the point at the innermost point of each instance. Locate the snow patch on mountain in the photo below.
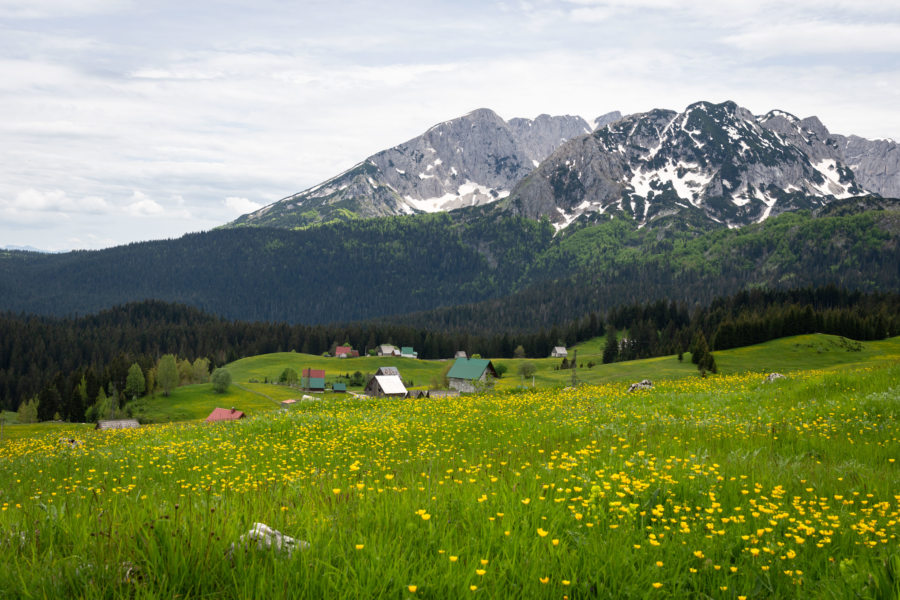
(468, 194)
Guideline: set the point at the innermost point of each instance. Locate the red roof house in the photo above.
(346, 352)
(224, 414)
(314, 373)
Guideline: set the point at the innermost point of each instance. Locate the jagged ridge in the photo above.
(717, 160)
(469, 161)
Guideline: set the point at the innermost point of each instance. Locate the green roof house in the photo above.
(408, 352)
(465, 372)
(338, 387)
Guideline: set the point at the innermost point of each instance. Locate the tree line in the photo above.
(65, 366)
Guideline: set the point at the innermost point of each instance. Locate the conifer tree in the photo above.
(611, 350)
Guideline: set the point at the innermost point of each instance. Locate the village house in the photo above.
(386, 385)
(388, 350)
(224, 414)
(559, 352)
(339, 387)
(466, 373)
(388, 371)
(408, 352)
(313, 380)
(461, 354)
(346, 352)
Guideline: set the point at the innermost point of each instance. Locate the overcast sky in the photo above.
(127, 120)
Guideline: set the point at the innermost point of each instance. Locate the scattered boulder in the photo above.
(306, 398)
(267, 538)
(774, 376)
(641, 385)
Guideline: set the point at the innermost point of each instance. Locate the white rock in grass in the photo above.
(774, 376)
(267, 538)
(641, 385)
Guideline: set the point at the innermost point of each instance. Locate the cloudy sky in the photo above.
(127, 120)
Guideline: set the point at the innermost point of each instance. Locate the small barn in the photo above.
(346, 352)
(388, 350)
(118, 424)
(408, 352)
(388, 371)
(559, 352)
(461, 354)
(339, 387)
(443, 393)
(466, 372)
(286, 404)
(313, 380)
(225, 414)
(386, 385)
(417, 394)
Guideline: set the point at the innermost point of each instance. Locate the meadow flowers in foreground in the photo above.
(724, 487)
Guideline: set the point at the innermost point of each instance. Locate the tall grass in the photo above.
(720, 487)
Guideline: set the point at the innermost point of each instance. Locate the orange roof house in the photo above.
(224, 414)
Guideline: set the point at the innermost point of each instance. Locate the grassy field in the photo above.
(723, 487)
(195, 402)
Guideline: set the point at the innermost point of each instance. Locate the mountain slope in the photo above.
(397, 265)
(716, 160)
(469, 161)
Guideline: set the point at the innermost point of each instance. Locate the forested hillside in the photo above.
(524, 276)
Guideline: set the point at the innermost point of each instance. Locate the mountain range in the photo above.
(473, 160)
(483, 223)
(718, 161)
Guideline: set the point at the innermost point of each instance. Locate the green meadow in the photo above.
(786, 355)
(716, 487)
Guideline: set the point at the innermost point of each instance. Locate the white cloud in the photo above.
(141, 206)
(52, 201)
(46, 9)
(241, 206)
(233, 103)
(818, 37)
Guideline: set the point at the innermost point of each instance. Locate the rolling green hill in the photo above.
(805, 352)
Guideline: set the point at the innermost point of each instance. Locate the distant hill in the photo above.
(528, 276)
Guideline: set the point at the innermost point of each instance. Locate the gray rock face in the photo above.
(876, 163)
(604, 120)
(473, 160)
(716, 160)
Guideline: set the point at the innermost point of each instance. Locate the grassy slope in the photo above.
(789, 354)
(700, 488)
(195, 402)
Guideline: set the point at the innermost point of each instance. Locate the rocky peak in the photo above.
(468, 161)
(604, 120)
(718, 159)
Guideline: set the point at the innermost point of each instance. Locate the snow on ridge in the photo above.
(467, 194)
(832, 186)
(688, 186)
